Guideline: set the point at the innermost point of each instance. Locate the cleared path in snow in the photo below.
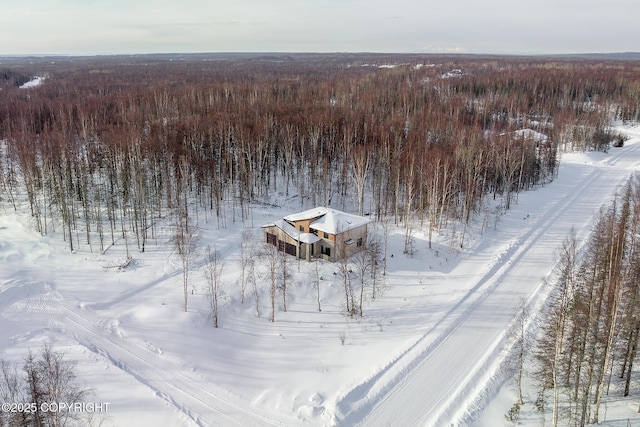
(438, 381)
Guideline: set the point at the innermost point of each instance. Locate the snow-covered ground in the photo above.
(428, 351)
(35, 82)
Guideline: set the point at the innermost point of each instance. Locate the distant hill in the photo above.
(612, 55)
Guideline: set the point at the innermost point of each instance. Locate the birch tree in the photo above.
(360, 164)
(185, 241)
(213, 274)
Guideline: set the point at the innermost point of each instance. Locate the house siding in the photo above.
(339, 249)
(303, 250)
(305, 223)
(281, 236)
(345, 250)
(324, 244)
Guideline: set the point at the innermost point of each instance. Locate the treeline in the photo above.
(589, 339)
(107, 146)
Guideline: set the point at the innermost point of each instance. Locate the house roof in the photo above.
(308, 214)
(335, 222)
(293, 232)
(329, 220)
(325, 219)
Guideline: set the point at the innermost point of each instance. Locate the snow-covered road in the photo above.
(447, 372)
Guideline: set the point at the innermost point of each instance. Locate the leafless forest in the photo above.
(106, 146)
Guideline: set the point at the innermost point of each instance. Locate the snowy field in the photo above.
(429, 351)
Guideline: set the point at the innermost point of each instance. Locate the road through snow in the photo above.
(438, 381)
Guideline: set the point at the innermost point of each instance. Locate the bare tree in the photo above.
(345, 271)
(45, 378)
(374, 256)
(362, 267)
(410, 190)
(185, 241)
(521, 344)
(35, 387)
(284, 275)
(254, 284)
(316, 264)
(245, 259)
(59, 383)
(360, 164)
(385, 224)
(630, 324)
(13, 390)
(213, 273)
(272, 263)
(581, 330)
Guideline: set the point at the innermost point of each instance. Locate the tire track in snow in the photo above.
(201, 405)
(485, 375)
(363, 401)
(471, 386)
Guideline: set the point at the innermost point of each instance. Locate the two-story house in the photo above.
(319, 232)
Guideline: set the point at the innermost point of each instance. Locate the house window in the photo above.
(302, 228)
(327, 251)
(359, 242)
(326, 235)
(271, 239)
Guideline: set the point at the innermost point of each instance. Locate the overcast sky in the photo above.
(79, 27)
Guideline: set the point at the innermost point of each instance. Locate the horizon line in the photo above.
(275, 52)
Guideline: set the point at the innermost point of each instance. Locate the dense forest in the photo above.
(106, 146)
